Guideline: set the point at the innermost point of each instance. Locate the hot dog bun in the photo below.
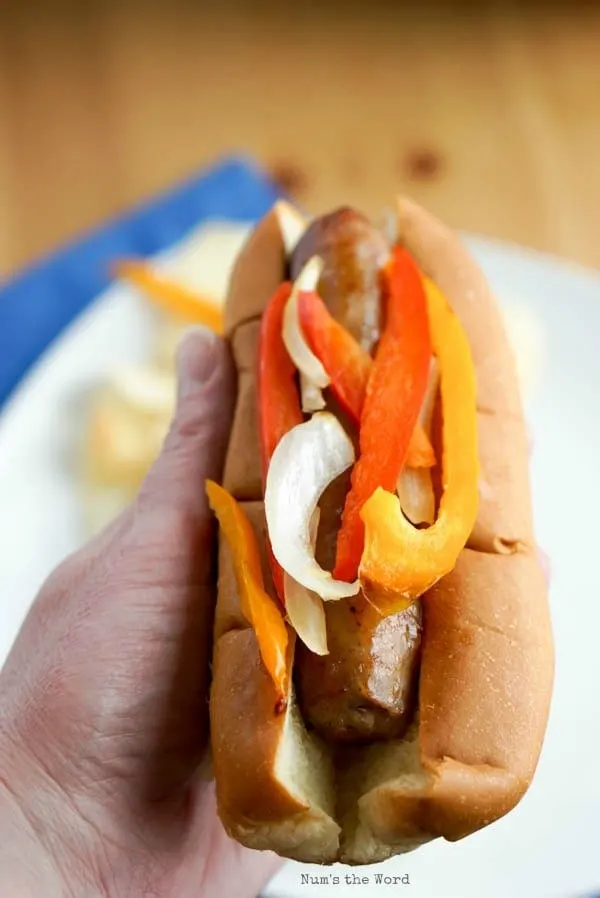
(487, 655)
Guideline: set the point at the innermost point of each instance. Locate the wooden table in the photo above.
(490, 117)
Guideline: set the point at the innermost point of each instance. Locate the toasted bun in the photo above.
(279, 791)
(487, 662)
(262, 264)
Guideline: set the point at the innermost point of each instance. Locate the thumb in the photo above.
(194, 449)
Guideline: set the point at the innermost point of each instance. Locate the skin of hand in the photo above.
(104, 696)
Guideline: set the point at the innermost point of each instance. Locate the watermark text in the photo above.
(353, 879)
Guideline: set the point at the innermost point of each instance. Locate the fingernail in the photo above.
(196, 359)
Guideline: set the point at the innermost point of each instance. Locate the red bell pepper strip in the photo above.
(349, 366)
(345, 361)
(394, 396)
(278, 398)
(279, 401)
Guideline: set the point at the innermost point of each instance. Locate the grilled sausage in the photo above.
(365, 688)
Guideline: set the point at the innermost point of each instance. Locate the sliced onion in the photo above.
(307, 459)
(306, 613)
(311, 370)
(415, 486)
(426, 413)
(417, 499)
(304, 608)
(312, 397)
(291, 223)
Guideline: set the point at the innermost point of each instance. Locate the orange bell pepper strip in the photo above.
(394, 395)
(172, 297)
(278, 396)
(399, 562)
(262, 613)
(349, 366)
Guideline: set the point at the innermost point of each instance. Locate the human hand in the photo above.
(103, 699)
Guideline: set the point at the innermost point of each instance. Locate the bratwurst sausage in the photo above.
(354, 254)
(365, 688)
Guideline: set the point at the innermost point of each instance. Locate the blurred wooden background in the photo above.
(489, 113)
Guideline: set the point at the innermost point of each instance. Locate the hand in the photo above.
(104, 697)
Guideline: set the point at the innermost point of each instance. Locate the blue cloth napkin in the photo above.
(38, 304)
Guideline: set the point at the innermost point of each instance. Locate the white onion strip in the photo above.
(315, 378)
(415, 486)
(307, 459)
(417, 499)
(306, 614)
(292, 224)
(312, 397)
(304, 608)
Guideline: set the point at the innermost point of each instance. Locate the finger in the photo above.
(195, 447)
(167, 557)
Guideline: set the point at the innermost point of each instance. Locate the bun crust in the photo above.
(259, 270)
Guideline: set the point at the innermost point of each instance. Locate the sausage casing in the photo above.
(365, 688)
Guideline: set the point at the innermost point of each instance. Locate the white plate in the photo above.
(549, 846)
